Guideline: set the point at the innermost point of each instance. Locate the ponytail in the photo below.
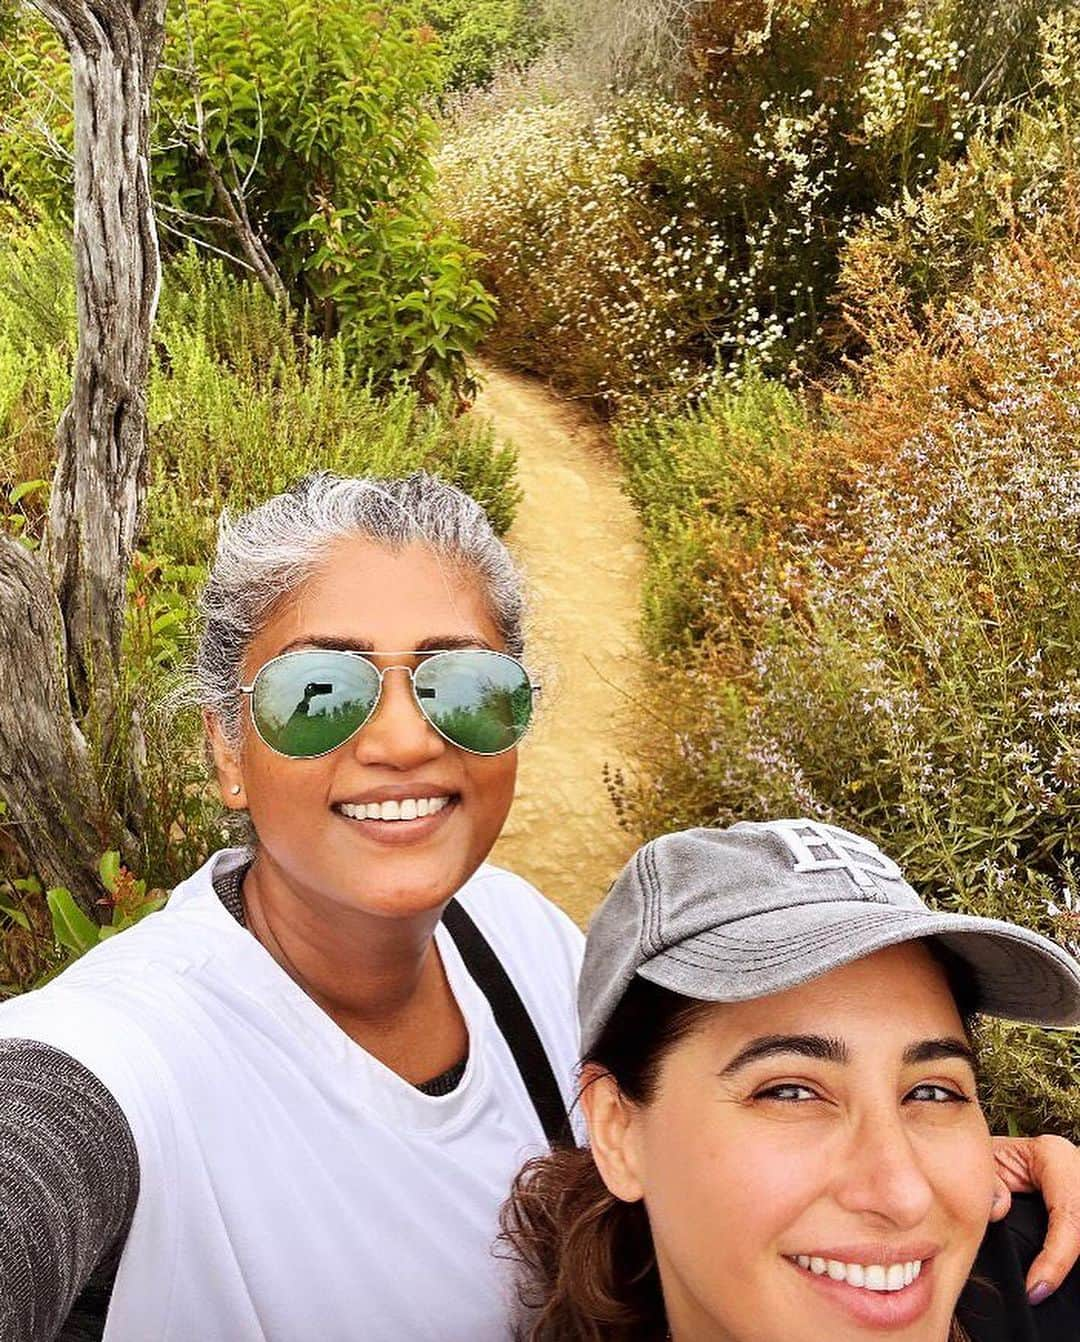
(587, 1267)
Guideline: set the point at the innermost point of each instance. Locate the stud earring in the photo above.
(235, 789)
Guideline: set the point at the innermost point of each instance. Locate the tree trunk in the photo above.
(55, 811)
(60, 668)
(100, 482)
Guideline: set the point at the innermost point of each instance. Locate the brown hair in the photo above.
(588, 1266)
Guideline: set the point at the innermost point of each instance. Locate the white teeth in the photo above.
(410, 808)
(868, 1276)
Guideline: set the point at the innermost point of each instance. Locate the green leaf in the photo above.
(109, 870)
(140, 912)
(13, 911)
(71, 927)
(26, 488)
(168, 620)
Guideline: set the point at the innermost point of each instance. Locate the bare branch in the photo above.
(232, 203)
(201, 242)
(258, 147)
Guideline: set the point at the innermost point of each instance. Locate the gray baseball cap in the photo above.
(725, 915)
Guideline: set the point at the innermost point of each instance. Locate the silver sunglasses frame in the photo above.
(249, 691)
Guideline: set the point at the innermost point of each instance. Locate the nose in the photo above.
(397, 735)
(880, 1174)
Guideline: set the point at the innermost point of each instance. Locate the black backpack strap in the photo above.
(514, 1021)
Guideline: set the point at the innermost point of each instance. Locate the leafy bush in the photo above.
(477, 37)
(595, 287)
(635, 244)
(896, 645)
(242, 402)
(928, 242)
(295, 139)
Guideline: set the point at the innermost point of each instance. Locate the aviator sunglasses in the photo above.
(305, 704)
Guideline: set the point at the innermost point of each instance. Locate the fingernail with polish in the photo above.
(1038, 1293)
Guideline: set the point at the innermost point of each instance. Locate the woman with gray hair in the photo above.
(288, 1106)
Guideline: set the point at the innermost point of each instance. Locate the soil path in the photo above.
(579, 542)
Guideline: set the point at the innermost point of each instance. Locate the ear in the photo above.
(613, 1133)
(230, 775)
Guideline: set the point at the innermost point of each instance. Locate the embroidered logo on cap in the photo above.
(817, 847)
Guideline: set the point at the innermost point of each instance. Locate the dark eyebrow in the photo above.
(936, 1050)
(805, 1045)
(449, 642)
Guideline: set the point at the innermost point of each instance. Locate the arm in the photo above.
(68, 1185)
(1050, 1166)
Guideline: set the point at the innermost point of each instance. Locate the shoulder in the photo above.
(88, 1029)
(106, 1009)
(513, 915)
(539, 947)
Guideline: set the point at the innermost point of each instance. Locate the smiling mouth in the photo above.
(403, 809)
(881, 1277)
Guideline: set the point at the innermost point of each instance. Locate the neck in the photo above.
(380, 979)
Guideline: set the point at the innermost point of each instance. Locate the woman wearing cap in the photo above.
(288, 1107)
(780, 1087)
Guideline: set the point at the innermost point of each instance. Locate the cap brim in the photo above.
(1019, 975)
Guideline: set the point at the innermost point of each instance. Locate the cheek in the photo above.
(721, 1196)
(961, 1170)
(491, 782)
(278, 787)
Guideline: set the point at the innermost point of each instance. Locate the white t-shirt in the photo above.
(292, 1188)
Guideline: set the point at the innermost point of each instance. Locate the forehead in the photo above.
(898, 994)
(391, 598)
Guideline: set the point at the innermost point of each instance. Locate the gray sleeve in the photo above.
(69, 1180)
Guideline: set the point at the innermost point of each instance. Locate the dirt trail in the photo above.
(579, 542)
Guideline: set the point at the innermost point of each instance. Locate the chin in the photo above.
(410, 896)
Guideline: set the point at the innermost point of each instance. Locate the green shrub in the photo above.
(308, 119)
(477, 37)
(710, 486)
(897, 650)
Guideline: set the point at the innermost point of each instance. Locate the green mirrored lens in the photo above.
(306, 703)
(479, 700)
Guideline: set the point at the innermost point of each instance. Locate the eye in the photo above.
(789, 1092)
(935, 1093)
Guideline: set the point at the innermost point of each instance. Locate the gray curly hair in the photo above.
(269, 553)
